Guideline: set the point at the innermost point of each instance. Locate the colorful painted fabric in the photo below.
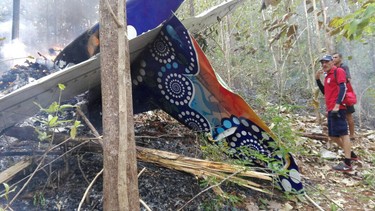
(174, 74)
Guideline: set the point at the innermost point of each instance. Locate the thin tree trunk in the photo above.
(328, 40)
(16, 19)
(228, 50)
(191, 7)
(310, 77)
(119, 154)
(317, 28)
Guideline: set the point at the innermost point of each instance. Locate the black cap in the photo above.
(326, 58)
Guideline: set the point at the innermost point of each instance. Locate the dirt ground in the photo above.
(59, 188)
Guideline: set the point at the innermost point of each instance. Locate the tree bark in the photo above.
(119, 154)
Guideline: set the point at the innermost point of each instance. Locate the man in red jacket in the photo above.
(334, 91)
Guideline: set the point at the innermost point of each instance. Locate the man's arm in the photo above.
(340, 76)
(340, 98)
(341, 95)
(318, 82)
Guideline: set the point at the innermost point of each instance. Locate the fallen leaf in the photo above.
(287, 207)
(274, 205)
(349, 182)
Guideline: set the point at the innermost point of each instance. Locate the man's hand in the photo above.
(335, 111)
(336, 108)
(317, 74)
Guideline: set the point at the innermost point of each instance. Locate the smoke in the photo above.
(16, 51)
(44, 25)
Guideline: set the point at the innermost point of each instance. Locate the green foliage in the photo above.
(42, 135)
(356, 25)
(369, 179)
(334, 207)
(281, 125)
(221, 201)
(39, 200)
(369, 175)
(73, 130)
(7, 191)
(213, 204)
(55, 112)
(215, 152)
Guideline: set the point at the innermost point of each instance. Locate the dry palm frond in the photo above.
(204, 168)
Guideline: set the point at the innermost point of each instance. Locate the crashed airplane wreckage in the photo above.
(169, 71)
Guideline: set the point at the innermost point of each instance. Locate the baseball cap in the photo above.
(326, 58)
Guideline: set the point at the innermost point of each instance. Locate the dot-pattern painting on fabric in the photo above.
(176, 74)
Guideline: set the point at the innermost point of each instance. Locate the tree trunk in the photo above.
(16, 19)
(191, 8)
(327, 38)
(119, 154)
(227, 48)
(311, 77)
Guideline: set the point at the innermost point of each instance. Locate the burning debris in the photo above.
(22, 74)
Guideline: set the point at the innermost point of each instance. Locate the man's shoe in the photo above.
(342, 167)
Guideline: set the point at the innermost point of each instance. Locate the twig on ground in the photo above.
(325, 196)
(88, 189)
(139, 174)
(30, 175)
(80, 168)
(36, 170)
(145, 205)
(88, 123)
(140, 200)
(313, 202)
(205, 190)
(27, 182)
(161, 136)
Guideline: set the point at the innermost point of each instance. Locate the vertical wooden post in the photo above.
(120, 168)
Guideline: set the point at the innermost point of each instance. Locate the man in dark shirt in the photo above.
(337, 60)
(334, 91)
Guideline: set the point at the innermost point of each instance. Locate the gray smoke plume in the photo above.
(45, 26)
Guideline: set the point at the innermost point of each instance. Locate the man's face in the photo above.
(326, 65)
(336, 59)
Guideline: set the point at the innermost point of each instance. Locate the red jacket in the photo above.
(331, 87)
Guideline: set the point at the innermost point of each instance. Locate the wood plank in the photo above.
(13, 170)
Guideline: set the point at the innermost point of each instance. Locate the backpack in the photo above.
(350, 97)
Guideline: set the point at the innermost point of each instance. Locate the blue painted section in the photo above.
(148, 14)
